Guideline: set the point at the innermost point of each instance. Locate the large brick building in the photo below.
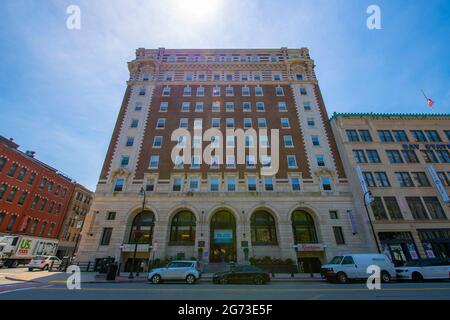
(226, 210)
(34, 197)
(404, 160)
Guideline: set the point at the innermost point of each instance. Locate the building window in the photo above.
(443, 155)
(292, 161)
(326, 184)
(246, 107)
(118, 186)
(3, 189)
(161, 123)
(166, 92)
(216, 107)
(22, 198)
(231, 184)
(138, 106)
(268, 184)
(50, 230)
(444, 179)
(360, 156)
(262, 123)
(216, 92)
(229, 107)
(393, 208)
(251, 184)
(142, 91)
(250, 161)
(394, 156)
(134, 123)
(279, 91)
(382, 179)
(303, 91)
(231, 161)
(276, 77)
(229, 92)
(299, 77)
(338, 235)
(400, 136)
(31, 178)
(214, 184)
(157, 142)
(352, 135)
(310, 122)
(12, 170)
(11, 222)
(285, 123)
(365, 135)
(307, 106)
(421, 179)
(410, 156)
(404, 179)
(373, 156)
(184, 122)
(295, 184)
(417, 208)
(288, 143)
(199, 107)
(418, 135)
(142, 228)
(315, 140)
(429, 156)
(257, 77)
(320, 160)
(434, 208)
(215, 122)
(282, 106)
(247, 123)
(177, 184)
(245, 91)
(194, 184)
(22, 174)
(303, 227)
(258, 91)
(185, 106)
(263, 229)
(368, 177)
(334, 215)
(12, 194)
(125, 160)
(129, 142)
(230, 122)
(163, 106)
(182, 229)
(378, 209)
(111, 215)
(200, 92)
(216, 77)
(433, 136)
(260, 106)
(2, 217)
(154, 161)
(2, 163)
(385, 136)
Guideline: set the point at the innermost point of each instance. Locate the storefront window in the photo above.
(142, 228)
(183, 228)
(436, 242)
(263, 229)
(303, 227)
(400, 246)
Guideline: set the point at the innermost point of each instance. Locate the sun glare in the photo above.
(197, 10)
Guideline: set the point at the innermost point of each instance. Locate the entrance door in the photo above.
(310, 265)
(223, 237)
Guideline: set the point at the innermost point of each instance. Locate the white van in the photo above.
(354, 266)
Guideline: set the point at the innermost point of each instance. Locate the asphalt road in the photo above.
(288, 290)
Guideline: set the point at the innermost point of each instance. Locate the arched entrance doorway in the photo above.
(223, 237)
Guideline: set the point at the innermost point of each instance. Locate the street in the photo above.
(53, 287)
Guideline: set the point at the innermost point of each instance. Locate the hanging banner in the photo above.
(365, 189)
(412, 251)
(429, 250)
(351, 217)
(438, 183)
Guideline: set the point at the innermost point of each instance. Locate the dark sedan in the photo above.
(242, 274)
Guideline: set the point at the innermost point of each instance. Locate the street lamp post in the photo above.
(368, 193)
(138, 234)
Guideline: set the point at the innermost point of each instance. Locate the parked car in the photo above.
(242, 274)
(354, 267)
(180, 270)
(425, 269)
(44, 263)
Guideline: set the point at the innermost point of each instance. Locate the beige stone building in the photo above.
(226, 210)
(405, 163)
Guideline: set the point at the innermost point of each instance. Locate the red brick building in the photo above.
(34, 197)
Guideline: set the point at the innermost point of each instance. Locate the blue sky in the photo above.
(60, 89)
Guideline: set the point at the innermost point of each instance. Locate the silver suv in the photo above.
(180, 270)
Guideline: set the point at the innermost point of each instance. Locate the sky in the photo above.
(61, 89)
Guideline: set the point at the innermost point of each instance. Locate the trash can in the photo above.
(111, 271)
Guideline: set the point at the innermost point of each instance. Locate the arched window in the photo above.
(142, 228)
(263, 229)
(182, 230)
(303, 227)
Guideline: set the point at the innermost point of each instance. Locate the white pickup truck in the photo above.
(19, 250)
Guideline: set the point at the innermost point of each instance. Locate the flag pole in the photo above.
(424, 94)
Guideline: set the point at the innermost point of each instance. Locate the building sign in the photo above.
(429, 250)
(438, 183)
(351, 217)
(364, 187)
(129, 247)
(310, 247)
(412, 251)
(223, 236)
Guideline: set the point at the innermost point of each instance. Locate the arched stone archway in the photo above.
(223, 237)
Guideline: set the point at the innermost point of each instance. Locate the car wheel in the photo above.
(417, 277)
(223, 281)
(259, 280)
(30, 269)
(190, 279)
(156, 279)
(15, 264)
(342, 277)
(385, 277)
